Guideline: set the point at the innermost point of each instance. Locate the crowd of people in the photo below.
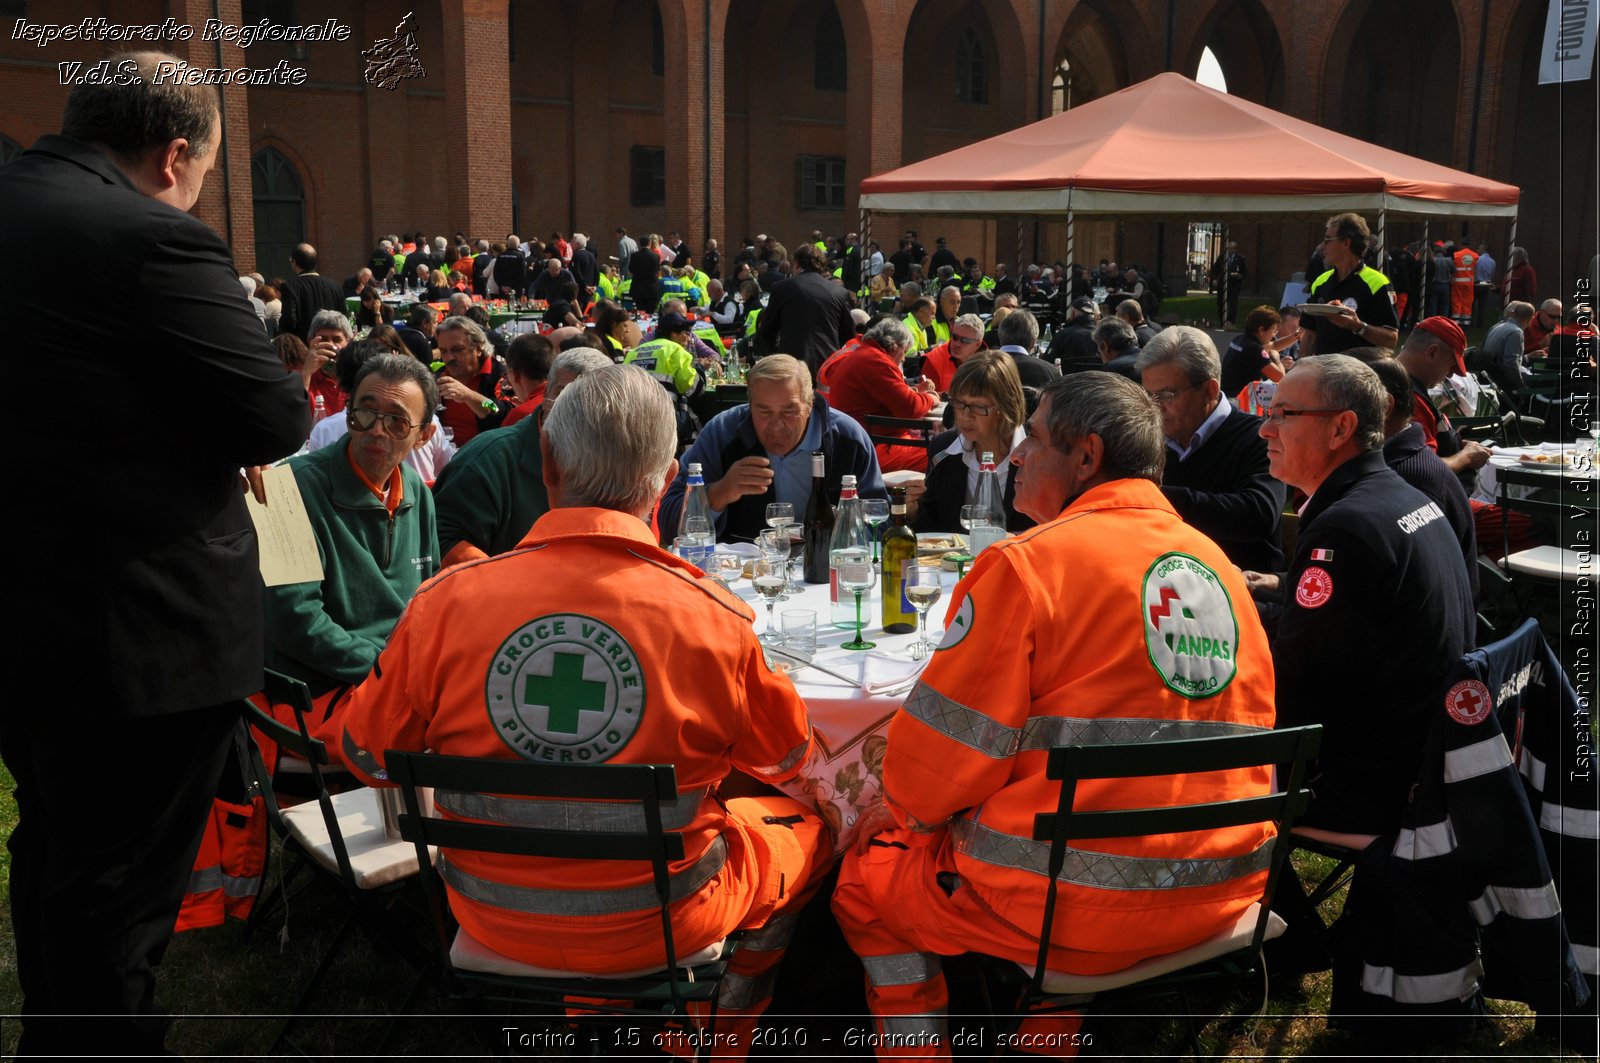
(492, 510)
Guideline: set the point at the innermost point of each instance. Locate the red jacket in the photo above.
(868, 382)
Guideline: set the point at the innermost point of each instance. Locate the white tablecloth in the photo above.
(845, 775)
(1579, 465)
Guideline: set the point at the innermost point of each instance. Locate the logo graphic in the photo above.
(1468, 702)
(391, 60)
(1189, 626)
(565, 688)
(1315, 587)
(959, 627)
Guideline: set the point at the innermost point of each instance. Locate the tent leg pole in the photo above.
(1422, 273)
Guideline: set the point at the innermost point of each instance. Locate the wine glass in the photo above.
(698, 540)
(774, 546)
(797, 551)
(769, 584)
(779, 514)
(922, 591)
(875, 511)
(856, 575)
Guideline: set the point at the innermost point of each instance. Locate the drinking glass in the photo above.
(779, 514)
(971, 517)
(774, 546)
(856, 576)
(800, 632)
(922, 590)
(769, 584)
(726, 566)
(875, 511)
(797, 552)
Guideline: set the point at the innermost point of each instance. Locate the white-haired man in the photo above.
(660, 665)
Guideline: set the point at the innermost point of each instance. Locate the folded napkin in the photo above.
(884, 673)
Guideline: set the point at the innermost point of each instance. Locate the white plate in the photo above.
(934, 542)
(901, 477)
(742, 549)
(1320, 309)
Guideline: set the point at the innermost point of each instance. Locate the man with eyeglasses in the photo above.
(940, 364)
(1368, 316)
(374, 521)
(1216, 474)
(1375, 606)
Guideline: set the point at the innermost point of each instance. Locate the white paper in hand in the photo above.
(288, 545)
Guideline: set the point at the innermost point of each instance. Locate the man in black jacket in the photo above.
(143, 600)
(808, 315)
(1074, 346)
(1216, 475)
(306, 293)
(585, 267)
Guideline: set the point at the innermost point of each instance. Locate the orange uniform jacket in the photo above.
(588, 644)
(1116, 622)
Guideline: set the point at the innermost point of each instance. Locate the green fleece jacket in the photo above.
(329, 634)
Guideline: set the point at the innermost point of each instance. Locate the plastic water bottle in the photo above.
(319, 409)
(850, 543)
(696, 525)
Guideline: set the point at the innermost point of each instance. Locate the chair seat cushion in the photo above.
(375, 858)
(1545, 562)
(1232, 939)
(467, 953)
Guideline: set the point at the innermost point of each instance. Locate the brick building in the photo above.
(727, 117)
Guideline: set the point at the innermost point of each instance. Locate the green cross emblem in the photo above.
(565, 692)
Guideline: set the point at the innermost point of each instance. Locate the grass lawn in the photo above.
(227, 993)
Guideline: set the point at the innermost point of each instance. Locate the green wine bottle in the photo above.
(899, 550)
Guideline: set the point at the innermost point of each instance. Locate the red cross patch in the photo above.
(1468, 702)
(1315, 587)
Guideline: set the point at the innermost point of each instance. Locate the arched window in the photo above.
(9, 149)
(972, 69)
(829, 70)
(1061, 88)
(280, 210)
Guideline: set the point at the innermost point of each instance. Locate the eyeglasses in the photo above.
(965, 339)
(977, 409)
(1331, 239)
(1167, 396)
(362, 420)
(1277, 414)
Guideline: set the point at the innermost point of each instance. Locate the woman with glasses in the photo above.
(990, 408)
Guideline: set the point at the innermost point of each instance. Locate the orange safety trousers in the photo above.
(899, 920)
(799, 858)
(1461, 299)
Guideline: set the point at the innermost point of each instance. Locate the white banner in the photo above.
(1569, 32)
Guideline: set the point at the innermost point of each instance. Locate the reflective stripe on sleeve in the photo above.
(1421, 988)
(772, 937)
(205, 879)
(1435, 839)
(961, 724)
(1588, 958)
(790, 759)
(906, 968)
(1104, 870)
(739, 992)
(366, 762)
(1533, 769)
(1570, 822)
(1538, 902)
(597, 816)
(1480, 758)
(581, 900)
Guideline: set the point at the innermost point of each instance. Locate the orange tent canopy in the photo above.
(1171, 146)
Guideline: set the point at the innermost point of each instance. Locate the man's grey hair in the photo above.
(553, 261)
(891, 334)
(1188, 348)
(1116, 334)
(397, 369)
(578, 361)
(475, 334)
(1110, 406)
(249, 285)
(1519, 311)
(483, 245)
(949, 287)
(460, 303)
(1130, 311)
(579, 240)
(971, 321)
(1018, 329)
(1344, 383)
(783, 368)
(331, 319)
(150, 111)
(385, 245)
(612, 434)
(440, 243)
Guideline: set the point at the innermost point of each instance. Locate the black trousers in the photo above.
(1228, 301)
(110, 819)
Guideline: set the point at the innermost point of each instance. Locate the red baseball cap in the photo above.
(1450, 332)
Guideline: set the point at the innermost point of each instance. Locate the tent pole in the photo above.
(1016, 263)
(1422, 273)
(1383, 218)
(1513, 242)
(866, 238)
(1072, 238)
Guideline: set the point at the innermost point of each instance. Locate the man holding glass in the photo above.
(760, 453)
(1038, 651)
(591, 644)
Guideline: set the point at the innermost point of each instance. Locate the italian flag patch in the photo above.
(1322, 555)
